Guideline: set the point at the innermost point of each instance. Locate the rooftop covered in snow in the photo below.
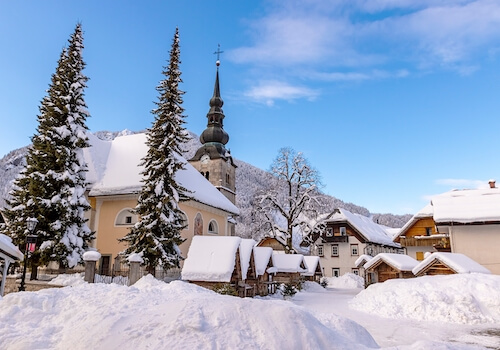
(459, 263)
(365, 226)
(114, 168)
(467, 206)
(401, 262)
(213, 259)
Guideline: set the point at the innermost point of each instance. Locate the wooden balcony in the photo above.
(441, 243)
(336, 239)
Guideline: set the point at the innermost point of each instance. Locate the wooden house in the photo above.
(419, 235)
(347, 236)
(221, 262)
(314, 271)
(288, 268)
(447, 264)
(385, 266)
(471, 219)
(264, 284)
(273, 243)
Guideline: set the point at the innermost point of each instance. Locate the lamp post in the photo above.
(30, 246)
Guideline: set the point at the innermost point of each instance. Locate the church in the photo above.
(115, 182)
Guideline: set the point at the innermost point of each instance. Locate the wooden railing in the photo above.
(425, 242)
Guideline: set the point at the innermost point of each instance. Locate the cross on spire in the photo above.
(218, 52)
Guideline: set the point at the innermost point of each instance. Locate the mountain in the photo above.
(249, 179)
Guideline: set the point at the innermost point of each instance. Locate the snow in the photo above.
(312, 263)
(458, 262)
(115, 168)
(135, 258)
(466, 206)
(346, 281)
(288, 262)
(211, 259)
(402, 262)
(363, 259)
(431, 312)
(370, 230)
(8, 247)
(91, 255)
(246, 250)
(261, 256)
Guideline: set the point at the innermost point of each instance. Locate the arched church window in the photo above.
(213, 228)
(207, 175)
(126, 218)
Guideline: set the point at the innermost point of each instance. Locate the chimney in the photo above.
(492, 183)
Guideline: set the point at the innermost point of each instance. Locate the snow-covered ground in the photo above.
(440, 312)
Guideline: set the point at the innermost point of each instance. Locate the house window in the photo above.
(213, 228)
(355, 271)
(329, 232)
(343, 231)
(128, 219)
(335, 250)
(320, 250)
(335, 272)
(354, 249)
(428, 231)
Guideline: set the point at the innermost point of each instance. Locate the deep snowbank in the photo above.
(463, 298)
(346, 281)
(155, 315)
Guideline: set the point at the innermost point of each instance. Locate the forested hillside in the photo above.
(249, 180)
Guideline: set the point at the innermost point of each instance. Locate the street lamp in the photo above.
(30, 246)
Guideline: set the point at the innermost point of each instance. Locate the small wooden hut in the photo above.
(9, 254)
(288, 268)
(442, 263)
(314, 271)
(385, 266)
(263, 264)
(221, 262)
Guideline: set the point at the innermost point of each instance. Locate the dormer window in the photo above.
(343, 231)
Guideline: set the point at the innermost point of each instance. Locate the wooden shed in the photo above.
(288, 268)
(314, 271)
(385, 266)
(442, 263)
(264, 284)
(217, 262)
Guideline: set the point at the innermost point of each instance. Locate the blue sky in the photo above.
(392, 101)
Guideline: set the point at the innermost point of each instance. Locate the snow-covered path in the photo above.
(395, 332)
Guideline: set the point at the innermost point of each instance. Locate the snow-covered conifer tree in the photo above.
(157, 235)
(52, 186)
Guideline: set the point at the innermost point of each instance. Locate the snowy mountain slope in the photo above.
(249, 180)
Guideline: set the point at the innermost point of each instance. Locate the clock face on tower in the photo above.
(204, 159)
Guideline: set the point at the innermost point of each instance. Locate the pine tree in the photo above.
(157, 235)
(52, 186)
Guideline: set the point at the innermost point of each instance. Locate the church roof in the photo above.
(114, 169)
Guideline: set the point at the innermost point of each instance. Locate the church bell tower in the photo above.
(212, 159)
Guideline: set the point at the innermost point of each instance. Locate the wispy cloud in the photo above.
(269, 91)
(358, 40)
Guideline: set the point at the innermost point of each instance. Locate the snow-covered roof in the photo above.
(363, 259)
(212, 259)
(114, 168)
(370, 230)
(459, 263)
(401, 262)
(467, 206)
(425, 212)
(246, 249)
(7, 247)
(261, 256)
(289, 263)
(312, 263)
